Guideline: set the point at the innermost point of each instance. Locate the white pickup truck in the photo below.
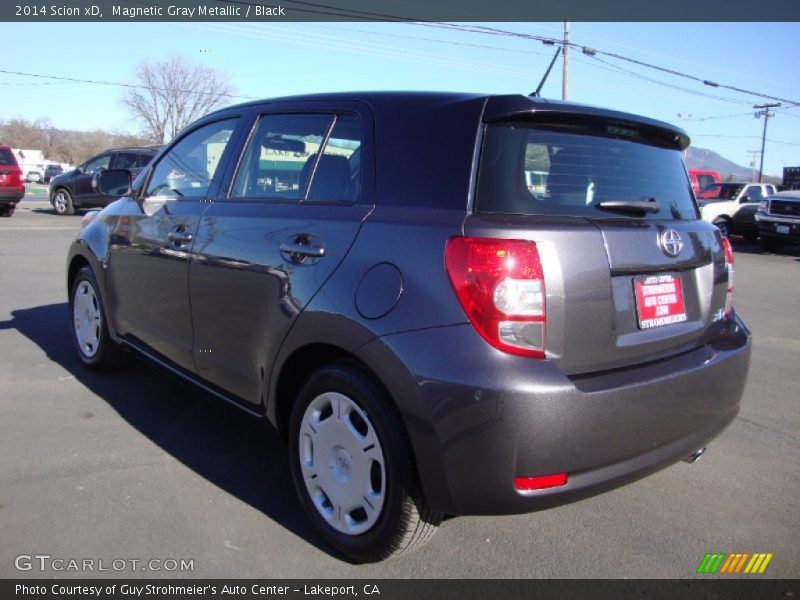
(732, 206)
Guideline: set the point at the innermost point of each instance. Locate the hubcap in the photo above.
(342, 463)
(60, 202)
(86, 318)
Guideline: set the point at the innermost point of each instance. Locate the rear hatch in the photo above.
(631, 273)
(10, 173)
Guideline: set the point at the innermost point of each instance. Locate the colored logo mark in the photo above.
(741, 562)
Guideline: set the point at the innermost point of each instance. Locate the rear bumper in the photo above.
(11, 195)
(477, 418)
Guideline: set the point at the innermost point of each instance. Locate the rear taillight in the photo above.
(11, 177)
(500, 286)
(726, 245)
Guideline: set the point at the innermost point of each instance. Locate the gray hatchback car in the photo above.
(371, 274)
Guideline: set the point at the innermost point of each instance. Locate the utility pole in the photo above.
(565, 77)
(685, 117)
(753, 154)
(763, 111)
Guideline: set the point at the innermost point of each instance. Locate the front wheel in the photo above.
(353, 469)
(89, 328)
(62, 202)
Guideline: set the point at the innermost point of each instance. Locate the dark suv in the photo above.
(74, 190)
(372, 275)
(51, 171)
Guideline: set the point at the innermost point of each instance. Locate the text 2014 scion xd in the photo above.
(372, 275)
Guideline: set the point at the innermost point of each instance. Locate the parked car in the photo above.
(33, 177)
(51, 171)
(701, 179)
(778, 219)
(370, 274)
(12, 188)
(732, 206)
(74, 190)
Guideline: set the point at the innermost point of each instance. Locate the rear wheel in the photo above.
(724, 226)
(62, 202)
(7, 210)
(89, 328)
(353, 469)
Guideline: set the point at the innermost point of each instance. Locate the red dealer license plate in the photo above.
(659, 300)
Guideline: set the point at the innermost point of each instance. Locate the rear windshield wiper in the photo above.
(643, 206)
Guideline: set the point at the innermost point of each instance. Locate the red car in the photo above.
(702, 179)
(12, 189)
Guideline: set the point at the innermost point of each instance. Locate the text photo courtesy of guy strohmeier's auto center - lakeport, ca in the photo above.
(315, 296)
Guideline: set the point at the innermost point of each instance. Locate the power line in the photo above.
(630, 73)
(307, 38)
(433, 40)
(327, 9)
(120, 84)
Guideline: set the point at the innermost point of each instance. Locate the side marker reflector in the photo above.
(525, 484)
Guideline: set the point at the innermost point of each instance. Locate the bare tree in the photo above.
(171, 94)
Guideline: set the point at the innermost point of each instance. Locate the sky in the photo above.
(269, 60)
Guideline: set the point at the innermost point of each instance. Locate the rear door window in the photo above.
(337, 176)
(125, 160)
(568, 168)
(143, 159)
(703, 181)
(7, 158)
(282, 155)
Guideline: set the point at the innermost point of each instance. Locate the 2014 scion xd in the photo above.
(372, 274)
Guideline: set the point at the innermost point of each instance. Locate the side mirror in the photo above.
(112, 182)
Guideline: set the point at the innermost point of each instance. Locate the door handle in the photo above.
(303, 250)
(177, 238)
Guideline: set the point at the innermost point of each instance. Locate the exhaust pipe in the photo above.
(695, 456)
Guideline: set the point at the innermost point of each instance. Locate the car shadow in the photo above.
(743, 246)
(236, 452)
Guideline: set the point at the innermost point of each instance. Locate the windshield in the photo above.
(569, 169)
(721, 191)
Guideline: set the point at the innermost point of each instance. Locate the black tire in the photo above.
(7, 210)
(771, 244)
(724, 226)
(101, 353)
(62, 202)
(404, 521)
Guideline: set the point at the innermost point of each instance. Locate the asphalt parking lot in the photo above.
(136, 466)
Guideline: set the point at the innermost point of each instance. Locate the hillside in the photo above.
(701, 158)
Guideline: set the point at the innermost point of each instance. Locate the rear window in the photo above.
(7, 158)
(722, 191)
(568, 168)
(703, 181)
